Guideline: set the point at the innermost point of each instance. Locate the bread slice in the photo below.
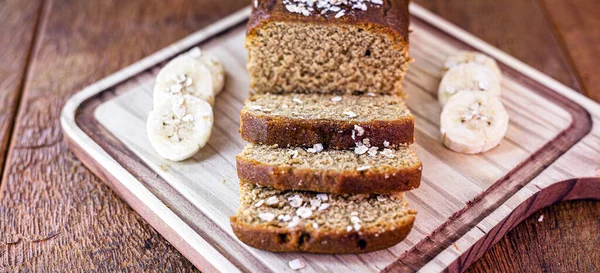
(295, 221)
(299, 46)
(332, 171)
(337, 122)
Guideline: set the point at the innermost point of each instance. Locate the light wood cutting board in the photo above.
(465, 202)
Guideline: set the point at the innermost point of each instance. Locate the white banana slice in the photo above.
(473, 122)
(214, 64)
(180, 126)
(462, 57)
(469, 76)
(183, 76)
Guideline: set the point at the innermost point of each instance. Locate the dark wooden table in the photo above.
(55, 215)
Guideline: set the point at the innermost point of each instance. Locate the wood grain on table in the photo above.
(55, 215)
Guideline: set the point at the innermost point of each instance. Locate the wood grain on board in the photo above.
(55, 214)
(46, 189)
(544, 125)
(559, 38)
(18, 20)
(521, 29)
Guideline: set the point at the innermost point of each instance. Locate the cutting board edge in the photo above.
(565, 190)
(85, 147)
(195, 248)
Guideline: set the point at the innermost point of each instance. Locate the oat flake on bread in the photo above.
(308, 7)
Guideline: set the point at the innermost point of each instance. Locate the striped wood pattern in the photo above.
(462, 199)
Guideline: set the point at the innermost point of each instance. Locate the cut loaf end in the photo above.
(295, 221)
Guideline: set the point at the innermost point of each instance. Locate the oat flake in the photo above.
(372, 151)
(360, 149)
(359, 130)
(304, 212)
(295, 221)
(315, 203)
(388, 153)
(266, 216)
(295, 201)
(316, 148)
(272, 200)
(322, 196)
(296, 264)
(188, 118)
(324, 206)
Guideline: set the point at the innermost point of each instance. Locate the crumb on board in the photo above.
(456, 246)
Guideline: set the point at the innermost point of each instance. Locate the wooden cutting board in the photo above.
(465, 202)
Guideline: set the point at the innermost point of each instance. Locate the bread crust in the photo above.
(329, 181)
(391, 18)
(333, 134)
(304, 239)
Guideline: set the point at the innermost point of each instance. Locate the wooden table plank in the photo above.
(577, 25)
(517, 27)
(18, 20)
(55, 214)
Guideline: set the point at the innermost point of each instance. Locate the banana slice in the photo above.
(468, 76)
(462, 57)
(180, 126)
(473, 122)
(213, 64)
(183, 76)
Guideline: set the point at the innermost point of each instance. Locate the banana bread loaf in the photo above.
(327, 46)
(294, 221)
(337, 122)
(368, 171)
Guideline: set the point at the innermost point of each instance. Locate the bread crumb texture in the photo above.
(363, 108)
(325, 212)
(334, 160)
(286, 57)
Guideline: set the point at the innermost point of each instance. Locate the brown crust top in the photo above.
(334, 134)
(392, 17)
(277, 239)
(330, 181)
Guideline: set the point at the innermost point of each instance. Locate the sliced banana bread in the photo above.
(324, 46)
(364, 170)
(295, 221)
(337, 122)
